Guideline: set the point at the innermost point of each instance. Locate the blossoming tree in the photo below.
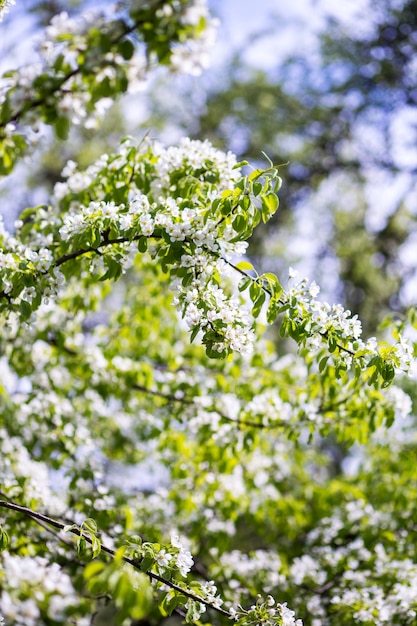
(163, 460)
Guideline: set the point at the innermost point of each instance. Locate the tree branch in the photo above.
(14, 117)
(324, 334)
(45, 519)
(187, 401)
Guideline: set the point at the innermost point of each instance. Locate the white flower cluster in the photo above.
(270, 407)
(324, 320)
(369, 582)
(10, 255)
(196, 158)
(5, 6)
(242, 569)
(20, 474)
(19, 88)
(78, 181)
(288, 616)
(53, 414)
(17, 259)
(193, 56)
(202, 301)
(323, 317)
(100, 215)
(400, 401)
(183, 559)
(176, 556)
(66, 53)
(373, 602)
(210, 593)
(266, 612)
(29, 578)
(306, 568)
(65, 37)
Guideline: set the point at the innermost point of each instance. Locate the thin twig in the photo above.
(189, 402)
(39, 101)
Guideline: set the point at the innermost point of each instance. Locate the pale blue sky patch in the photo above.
(283, 28)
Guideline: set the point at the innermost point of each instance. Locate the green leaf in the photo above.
(323, 363)
(283, 328)
(244, 265)
(135, 540)
(332, 343)
(254, 290)
(194, 333)
(244, 283)
(143, 600)
(62, 127)
(272, 311)
(255, 174)
(239, 223)
(193, 615)
(168, 603)
(4, 539)
(387, 372)
(269, 205)
(257, 307)
(90, 524)
(256, 188)
(95, 546)
(69, 527)
(146, 563)
(81, 545)
(25, 309)
(93, 569)
(126, 49)
(273, 284)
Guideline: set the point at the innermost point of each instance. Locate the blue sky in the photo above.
(293, 25)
